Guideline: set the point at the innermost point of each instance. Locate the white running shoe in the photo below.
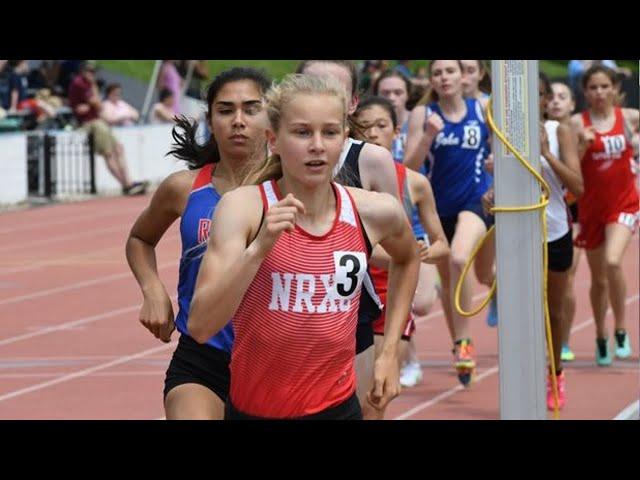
(410, 374)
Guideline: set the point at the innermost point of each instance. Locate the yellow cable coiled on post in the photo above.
(544, 201)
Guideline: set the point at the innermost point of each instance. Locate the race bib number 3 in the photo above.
(350, 268)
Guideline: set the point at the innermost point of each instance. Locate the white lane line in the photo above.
(73, 286)
(65, 260)
(99, 374)
(630, 412)
(443, 396)
(74, 323)
(35, 224)
(61, 238)
(85, 372)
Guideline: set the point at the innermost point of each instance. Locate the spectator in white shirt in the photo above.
(115, 111)
(162, 112)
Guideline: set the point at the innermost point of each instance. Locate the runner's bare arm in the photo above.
(418, 143)
(165, 207)
(377, 172)
(386, 223)
(567, 167)
(422, 194)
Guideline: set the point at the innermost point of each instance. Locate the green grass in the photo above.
(142, 69)
(138, 69)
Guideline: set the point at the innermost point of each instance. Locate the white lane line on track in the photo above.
(85, 372)
(73, 286)
(73, 323)
(630, 412)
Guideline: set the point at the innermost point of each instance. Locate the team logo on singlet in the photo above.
(614, 146)
(449, 140)
(339, 288)
(203, 230)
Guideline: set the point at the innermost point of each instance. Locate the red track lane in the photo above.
(71, 346)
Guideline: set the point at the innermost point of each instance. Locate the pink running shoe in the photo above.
(562, 396)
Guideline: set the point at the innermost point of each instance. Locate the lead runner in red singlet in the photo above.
(286, 262)
(608, 209)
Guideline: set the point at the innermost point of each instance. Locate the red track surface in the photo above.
(71, 346)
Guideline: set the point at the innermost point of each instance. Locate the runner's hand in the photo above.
(157, 315)
(279, 218)
(386, 381)
(434, 125)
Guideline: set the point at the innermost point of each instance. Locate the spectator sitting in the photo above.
(162, 112)
(115, 111)
(44, 95)
(18, 84)
(85, 102)
(19, 99)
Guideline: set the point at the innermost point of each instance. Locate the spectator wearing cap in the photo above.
(115, 111)
(85, 102)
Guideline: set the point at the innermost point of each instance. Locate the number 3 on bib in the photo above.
(350, 268)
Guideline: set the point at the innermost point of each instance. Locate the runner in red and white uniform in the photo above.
(608, 209)
(287, 260)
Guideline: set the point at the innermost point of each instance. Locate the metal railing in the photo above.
(60, 163)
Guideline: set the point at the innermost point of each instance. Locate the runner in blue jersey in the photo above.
(397, 88)
(451, 136)
(197, 380)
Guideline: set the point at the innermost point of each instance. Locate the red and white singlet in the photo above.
(294, 347)
(610, 195)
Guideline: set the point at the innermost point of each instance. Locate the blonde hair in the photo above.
(277, 98)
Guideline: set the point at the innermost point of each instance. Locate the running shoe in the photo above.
(623, 346)
(567, 355)
(562, 396)
(603, 355)
(136, 188)
(464, 363)
(492, 316)
(410, 374)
